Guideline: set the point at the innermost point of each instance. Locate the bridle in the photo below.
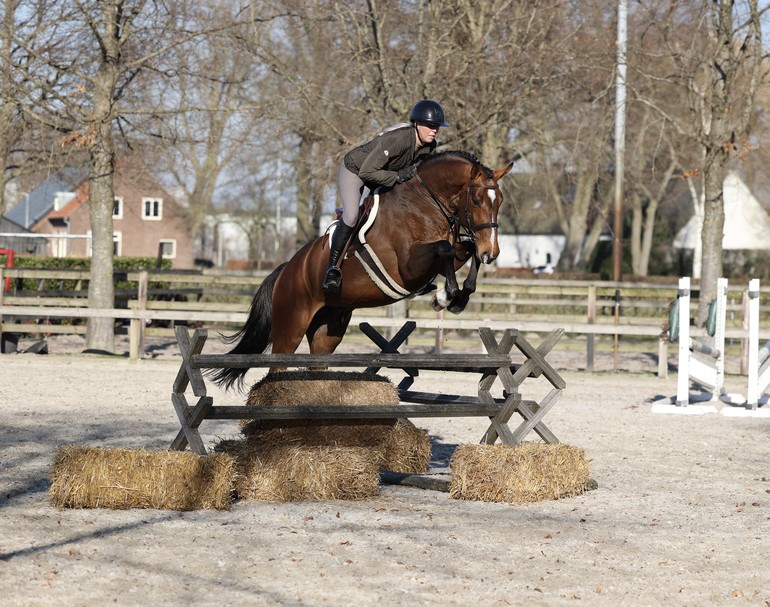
(453, 218)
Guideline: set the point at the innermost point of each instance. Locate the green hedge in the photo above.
(79, 263)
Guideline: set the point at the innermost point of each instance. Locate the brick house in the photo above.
(146, 221)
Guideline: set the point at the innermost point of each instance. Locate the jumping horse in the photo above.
(408, 235)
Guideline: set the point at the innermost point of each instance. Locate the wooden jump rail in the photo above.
(496, 364)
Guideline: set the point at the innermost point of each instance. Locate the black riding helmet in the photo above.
(429, 112)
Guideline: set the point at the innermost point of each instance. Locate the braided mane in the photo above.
(461, 154)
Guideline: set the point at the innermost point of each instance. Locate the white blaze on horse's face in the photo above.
(492, 195)
(487, 244)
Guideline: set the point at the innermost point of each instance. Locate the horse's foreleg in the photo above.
(446, 253)
(459, 302)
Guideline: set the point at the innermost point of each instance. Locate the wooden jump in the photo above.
(497, 364)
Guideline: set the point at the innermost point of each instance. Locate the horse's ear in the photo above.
(500, 173)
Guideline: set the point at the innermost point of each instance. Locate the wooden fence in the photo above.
(601, 314)
(496, 364)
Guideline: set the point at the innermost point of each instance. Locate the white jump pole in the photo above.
(683, 371)
(700, 363)
(759, 366)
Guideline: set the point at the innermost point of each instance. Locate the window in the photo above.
(167, 249)
(117, 208)
(152, 209)
(117, 243)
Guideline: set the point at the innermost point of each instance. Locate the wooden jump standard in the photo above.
(496, 364)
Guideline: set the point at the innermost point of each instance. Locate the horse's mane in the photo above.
(468, 156)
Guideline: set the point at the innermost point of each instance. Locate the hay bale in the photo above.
(94, 477)
(406, 448)
(399, 444)
(291, 472)
(323, 388)
(333, 432)
(529, 472)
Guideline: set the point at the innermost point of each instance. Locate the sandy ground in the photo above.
(680, 517)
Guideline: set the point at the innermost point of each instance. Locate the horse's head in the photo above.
(478, 212)
(469, 190)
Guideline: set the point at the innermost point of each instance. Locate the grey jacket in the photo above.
(378, 161)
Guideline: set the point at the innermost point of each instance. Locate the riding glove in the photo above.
(406, 173)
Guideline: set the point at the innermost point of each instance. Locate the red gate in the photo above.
(9, 253)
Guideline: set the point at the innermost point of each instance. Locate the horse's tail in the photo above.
(254, 336)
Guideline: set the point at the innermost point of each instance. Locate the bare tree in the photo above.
(209, 126)
(721, 67)
(10, 111)
(27, 146)
(82, 67)
(312, 106)
(647, 185)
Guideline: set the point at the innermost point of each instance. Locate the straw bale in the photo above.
(291, 472)
(323, 388)
(528, 472)
(334, 432)
(406, 448)
(94, 477)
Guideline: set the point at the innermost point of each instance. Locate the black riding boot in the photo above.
(333, 279)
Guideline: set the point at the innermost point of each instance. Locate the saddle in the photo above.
(364, 210)
(367, 215)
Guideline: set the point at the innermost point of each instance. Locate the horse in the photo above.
(430, 225)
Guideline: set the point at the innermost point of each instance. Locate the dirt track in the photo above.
(680, 516)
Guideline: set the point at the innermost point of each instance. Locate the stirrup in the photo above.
(333, 280)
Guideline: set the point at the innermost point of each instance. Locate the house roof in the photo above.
(41, 199)
(81, 196)
(747, 224)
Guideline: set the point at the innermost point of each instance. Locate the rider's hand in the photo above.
(406, 173)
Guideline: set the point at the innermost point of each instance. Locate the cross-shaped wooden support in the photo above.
(391, 347)
(190, 418)
(535, 365)
(511, 377)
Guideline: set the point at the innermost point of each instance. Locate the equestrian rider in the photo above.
(390, 158)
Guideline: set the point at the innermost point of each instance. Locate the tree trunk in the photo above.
(100, 334)
(101, 292)
(713, 233)
(719, 138)
(575, 224)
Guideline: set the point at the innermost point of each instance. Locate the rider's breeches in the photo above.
(351, 189)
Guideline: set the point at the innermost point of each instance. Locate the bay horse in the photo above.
(430, 225)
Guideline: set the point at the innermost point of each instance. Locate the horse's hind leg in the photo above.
(292, 315)
(327, 329)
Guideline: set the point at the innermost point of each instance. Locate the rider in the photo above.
(386, 160)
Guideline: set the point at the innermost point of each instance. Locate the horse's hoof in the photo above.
(440, 300)
(437, 303)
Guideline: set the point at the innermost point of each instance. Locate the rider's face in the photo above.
(426, 132)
